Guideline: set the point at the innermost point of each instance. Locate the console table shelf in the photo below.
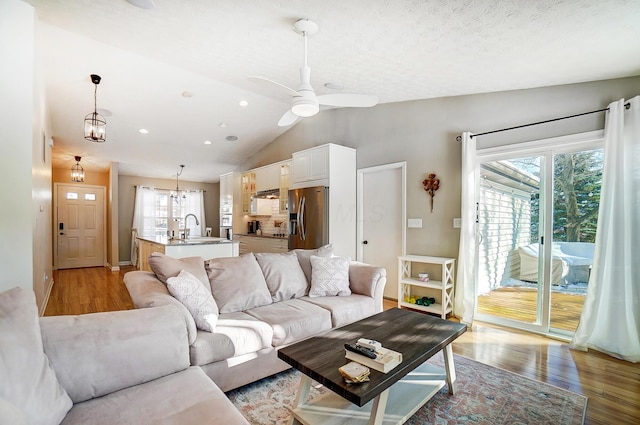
(406, 282)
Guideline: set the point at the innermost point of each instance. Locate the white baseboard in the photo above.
(113, 268)
(125, 263)
(43, 307)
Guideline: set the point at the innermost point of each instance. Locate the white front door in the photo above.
(381, 218)
(80, 226)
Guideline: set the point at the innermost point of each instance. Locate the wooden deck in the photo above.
(520, 304)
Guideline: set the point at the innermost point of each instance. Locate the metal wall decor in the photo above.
(431, 184)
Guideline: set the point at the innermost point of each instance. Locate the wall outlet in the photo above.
(457, 223)
(414, 222)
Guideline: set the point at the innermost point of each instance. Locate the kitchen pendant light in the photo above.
(95, 126)
(77, 172)
(178, 195)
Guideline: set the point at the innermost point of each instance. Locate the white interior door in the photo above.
(381, 217)
(80, 226)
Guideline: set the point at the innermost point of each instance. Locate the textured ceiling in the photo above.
(396, 49)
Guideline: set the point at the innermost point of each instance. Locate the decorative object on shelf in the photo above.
(95, 126)
(77, 172)
(431, 184)
(178, 195)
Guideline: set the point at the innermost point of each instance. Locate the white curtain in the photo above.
(465, 291)
(610, 320)
(194, 204)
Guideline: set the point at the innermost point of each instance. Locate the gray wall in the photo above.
(126, 199)
(423, 133)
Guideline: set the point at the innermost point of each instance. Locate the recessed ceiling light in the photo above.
(207, 142)
(143, 131)
(224, 124)
(143, 4)
(232, 138)
(243, 103)
(187, 94)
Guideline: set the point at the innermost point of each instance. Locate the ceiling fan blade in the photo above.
(348, 100)
(289, 118)
(291, 91)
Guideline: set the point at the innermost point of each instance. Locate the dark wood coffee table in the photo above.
(389, 398)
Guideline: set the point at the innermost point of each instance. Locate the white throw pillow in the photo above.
(27, 380)
(329, 276)
(188, 289)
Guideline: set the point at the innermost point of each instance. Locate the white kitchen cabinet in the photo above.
(410, 285)
(311, 167)
(248, 191)
(267, 177)
(284, 186)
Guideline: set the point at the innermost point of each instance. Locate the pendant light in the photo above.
(77, 172)
(95, 126)
(178, 195)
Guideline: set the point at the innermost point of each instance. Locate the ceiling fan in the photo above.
(305, 102)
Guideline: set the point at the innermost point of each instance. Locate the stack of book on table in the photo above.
(385, 359)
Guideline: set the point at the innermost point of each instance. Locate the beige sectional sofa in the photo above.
(124, 367)
(265, 301)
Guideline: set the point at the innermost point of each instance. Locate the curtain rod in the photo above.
(459, 138)
(171, 190)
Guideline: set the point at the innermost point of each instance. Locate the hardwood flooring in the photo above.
(612, 385)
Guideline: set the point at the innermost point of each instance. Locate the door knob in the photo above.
(365, 242)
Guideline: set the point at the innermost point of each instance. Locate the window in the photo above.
(155, 209)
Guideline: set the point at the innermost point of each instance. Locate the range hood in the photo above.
(268, 194)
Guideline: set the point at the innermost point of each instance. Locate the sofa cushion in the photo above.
(165, 267)
(329, 276)
(293, 320)
(187, 397)
(9, 414)
(236, 334)
(304, 258)
(28, 381)
(237, 283)
(345, 310)
(187, 289)
(284, 276)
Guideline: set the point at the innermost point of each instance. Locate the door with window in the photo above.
(80, 226)
(537, 211)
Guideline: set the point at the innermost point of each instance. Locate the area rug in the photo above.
(485, 395)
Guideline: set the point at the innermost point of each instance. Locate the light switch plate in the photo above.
(457, 223)
(414, 222)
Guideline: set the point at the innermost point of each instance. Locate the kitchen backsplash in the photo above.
(275, 224)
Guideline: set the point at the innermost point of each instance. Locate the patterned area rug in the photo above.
(485, 395)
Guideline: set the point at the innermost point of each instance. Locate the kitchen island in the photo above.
(205, 247)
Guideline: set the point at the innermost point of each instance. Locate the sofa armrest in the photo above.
(147, 291)
(99, 353)
(366, 279)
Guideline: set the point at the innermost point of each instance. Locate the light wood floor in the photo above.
(613, 386)
(520, 304)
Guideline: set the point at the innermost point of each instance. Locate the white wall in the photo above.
(423, 133)
(16, 147)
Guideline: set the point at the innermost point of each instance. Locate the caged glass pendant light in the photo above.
(95, 126)
(178, 195)
(77, 172)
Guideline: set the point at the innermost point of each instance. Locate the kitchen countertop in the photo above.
(194, 240)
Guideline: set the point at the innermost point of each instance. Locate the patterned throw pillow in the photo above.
(188, 289)
(329, 276)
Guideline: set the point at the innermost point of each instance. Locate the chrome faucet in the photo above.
(184, 235)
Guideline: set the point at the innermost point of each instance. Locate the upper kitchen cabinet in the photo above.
(226, 193)
(284, 185)
(321, 165)
(268, 177)
(248, 187)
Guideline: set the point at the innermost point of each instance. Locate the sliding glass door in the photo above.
(537, 210)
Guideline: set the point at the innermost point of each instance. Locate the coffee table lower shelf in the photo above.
(404, 398)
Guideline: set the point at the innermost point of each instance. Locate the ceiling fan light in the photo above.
(305, 108)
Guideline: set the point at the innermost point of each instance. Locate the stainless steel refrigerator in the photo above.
(308, 217)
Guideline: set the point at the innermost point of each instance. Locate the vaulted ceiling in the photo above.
(180, 68)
